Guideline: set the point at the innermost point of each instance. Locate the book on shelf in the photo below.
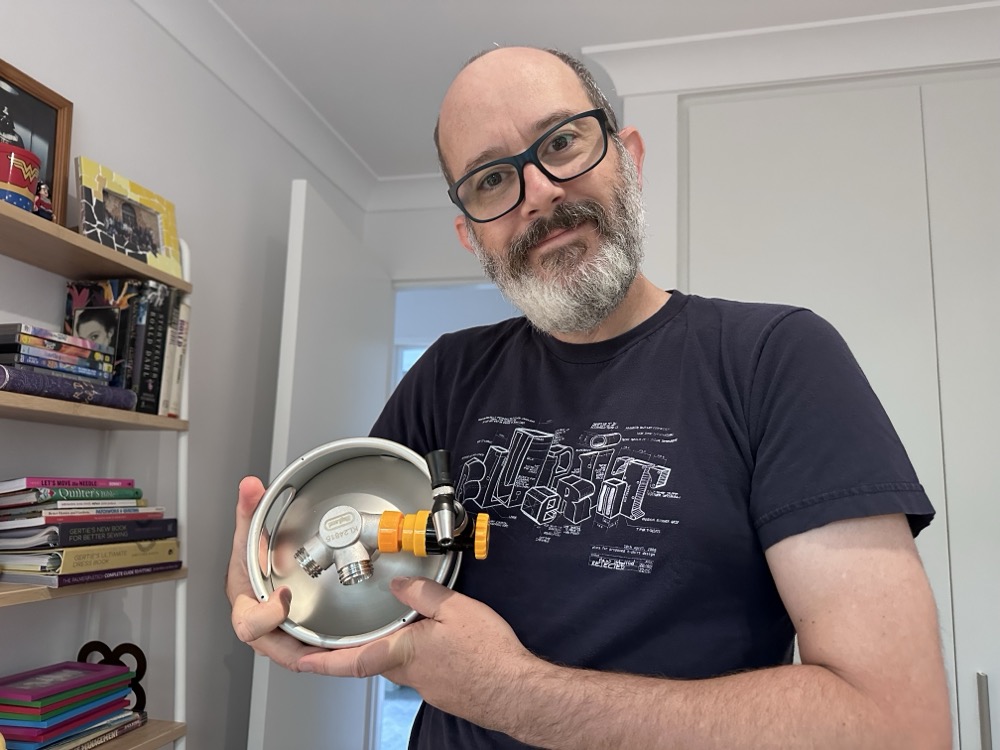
(91, 557)
(47, 516)
(99, 733)
(181, 343)
(37, 495)
(79, 390)
(56, 580)
(77, 533)
(104, 311)
(148, 367)
(37, 738)
(52, 339)
(13, 342)
(46, 363)
(85, 507)
(28, 483)
(94, 362)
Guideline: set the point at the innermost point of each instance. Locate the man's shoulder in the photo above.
(742, 317)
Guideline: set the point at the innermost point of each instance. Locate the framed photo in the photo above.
(123, 215)
(37, 119)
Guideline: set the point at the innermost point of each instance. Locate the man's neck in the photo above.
(641, 301)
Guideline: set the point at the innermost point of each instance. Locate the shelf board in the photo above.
(12, 594)
(73, 414)
(154, 734)
(45, 244)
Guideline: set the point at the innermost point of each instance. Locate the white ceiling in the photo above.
(375, 70)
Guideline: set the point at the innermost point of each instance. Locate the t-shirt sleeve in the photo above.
(408, 415)
(825, 449)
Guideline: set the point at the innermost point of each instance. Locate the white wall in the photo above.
(145, 107)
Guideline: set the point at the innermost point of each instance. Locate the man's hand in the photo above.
(256, 622)
(461, 658)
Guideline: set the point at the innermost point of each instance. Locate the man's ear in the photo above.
(635, 146)
(462, 230)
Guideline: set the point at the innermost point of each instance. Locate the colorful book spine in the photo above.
(105, 532)
(57, 580)
(65, 389)
(51, 335)
(98, 738)
(23, 341)
(103, 309)
(56, 515)
(56, 356)
(118, 555)
(45, 482)
(55, 364)
(89, 493)
(45, 517)
(123, 503)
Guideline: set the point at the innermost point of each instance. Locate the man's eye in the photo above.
(490, 181)
(561, 142)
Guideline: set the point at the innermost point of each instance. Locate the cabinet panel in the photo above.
(962, 123)
(817, 197)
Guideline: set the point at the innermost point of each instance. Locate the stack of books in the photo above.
(67, 706)
(146, 322)
(38, 361)
(60, 531)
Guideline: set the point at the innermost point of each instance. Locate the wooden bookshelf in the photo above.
(73, 414)
(150, 736)
(12, 594)
(45, 244)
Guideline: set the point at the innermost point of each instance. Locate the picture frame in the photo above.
(43, 122)
(127, 217)
(38, 684)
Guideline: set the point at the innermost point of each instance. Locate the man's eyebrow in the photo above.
(496, 152)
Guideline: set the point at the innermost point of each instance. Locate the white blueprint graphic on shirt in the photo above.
(574, 482)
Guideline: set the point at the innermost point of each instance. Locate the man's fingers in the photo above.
(421, 594)
(253, 619)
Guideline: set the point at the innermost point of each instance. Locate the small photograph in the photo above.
(127, 217)
(34, 144)
(135, 228)
(98, 324)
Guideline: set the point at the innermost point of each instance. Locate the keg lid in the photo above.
(370, 475)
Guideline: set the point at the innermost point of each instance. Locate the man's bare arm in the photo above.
(872, 673)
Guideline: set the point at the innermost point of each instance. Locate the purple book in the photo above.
(67, 389)
(39, 683)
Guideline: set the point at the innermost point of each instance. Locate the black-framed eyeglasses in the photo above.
(565, 151)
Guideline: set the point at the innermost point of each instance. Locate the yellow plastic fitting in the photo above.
(481, 540)
(390, 531)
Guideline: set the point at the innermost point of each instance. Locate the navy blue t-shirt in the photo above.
(634, 484)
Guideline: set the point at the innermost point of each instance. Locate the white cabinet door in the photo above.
(336, 345)
(962, 123)
(817, 197)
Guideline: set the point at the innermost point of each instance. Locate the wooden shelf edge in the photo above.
(73, 414)
(46, 245)
(152, 735)
(13, 594)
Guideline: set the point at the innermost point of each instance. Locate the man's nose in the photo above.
(540, 193)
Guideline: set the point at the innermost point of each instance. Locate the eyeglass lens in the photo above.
(567, 152)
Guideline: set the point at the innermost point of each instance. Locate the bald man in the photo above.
(680, 486)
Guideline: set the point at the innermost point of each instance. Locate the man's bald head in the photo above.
(510, 66)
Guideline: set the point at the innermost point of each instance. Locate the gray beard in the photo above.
(575, 294)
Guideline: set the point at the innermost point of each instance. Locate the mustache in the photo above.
(565, 216)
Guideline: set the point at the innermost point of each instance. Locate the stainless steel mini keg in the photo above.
(339, 522)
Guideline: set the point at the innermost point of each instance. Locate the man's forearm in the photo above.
(801, 706)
